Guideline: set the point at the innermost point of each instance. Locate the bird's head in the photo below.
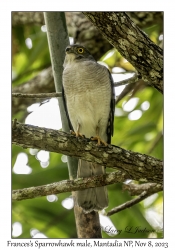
(77, 52)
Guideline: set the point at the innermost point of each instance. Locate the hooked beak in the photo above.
(68, 50)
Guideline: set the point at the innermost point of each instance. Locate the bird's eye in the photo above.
(80, 50)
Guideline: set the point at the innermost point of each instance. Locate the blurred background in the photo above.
(138, 126)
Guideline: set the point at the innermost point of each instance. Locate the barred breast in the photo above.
(88, 92)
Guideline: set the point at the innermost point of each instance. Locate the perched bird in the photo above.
(88, 94)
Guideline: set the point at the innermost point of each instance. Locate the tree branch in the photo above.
(142, 190)
(128, 204)
(138, 166)
(68, 186)
(38, 96)
(130, 80)
(132, 43)
(137, 189)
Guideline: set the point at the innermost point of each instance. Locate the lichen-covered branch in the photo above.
(137, 189)
(80, 184)
(132, 43)
(137, 166)
(68, 186)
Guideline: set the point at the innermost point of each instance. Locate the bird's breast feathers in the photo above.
(88, 93)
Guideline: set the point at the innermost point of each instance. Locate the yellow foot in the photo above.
(100, 141)
(77, 134)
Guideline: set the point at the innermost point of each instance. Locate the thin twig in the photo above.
(126, 81)
(39, 96)
(128, 204)
(155, 142)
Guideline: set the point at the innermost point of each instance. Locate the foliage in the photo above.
(142, 135)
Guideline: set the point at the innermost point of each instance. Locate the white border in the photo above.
(5, 95)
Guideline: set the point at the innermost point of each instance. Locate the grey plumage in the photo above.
(89, 102)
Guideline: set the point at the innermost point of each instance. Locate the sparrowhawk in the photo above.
(88, 94)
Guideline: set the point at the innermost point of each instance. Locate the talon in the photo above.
(77, 134)
(99, 141)
(72, 132)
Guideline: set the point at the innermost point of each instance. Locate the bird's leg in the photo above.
(98, 139)
(76, 133)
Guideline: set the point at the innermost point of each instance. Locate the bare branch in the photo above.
(132, 86)
(130, 80)
(155, 142)
(143, 190)
(38, 96)
(128, 204)
(137, 166)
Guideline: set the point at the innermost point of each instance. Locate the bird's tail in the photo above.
(92, 198)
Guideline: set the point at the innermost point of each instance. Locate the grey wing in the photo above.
(110, 127)
(66, 110)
